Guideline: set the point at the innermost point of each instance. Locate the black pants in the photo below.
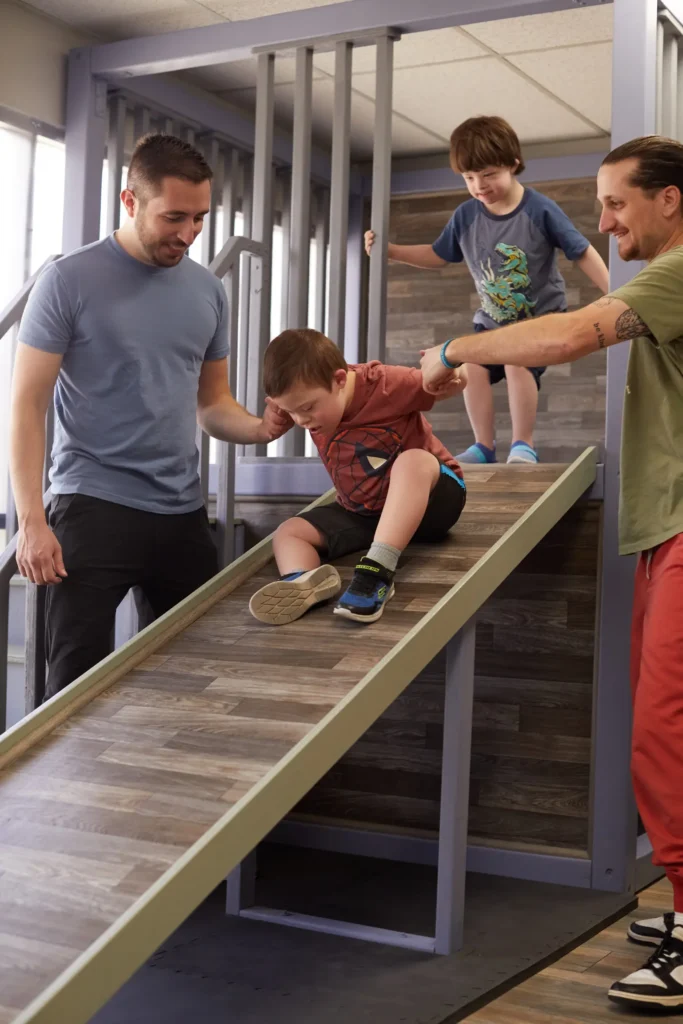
(108, 549)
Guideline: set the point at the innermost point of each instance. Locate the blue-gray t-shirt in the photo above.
(133, 339)
(512, 257)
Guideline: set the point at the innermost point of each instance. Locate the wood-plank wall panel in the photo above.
(425, 307)
(532, 715)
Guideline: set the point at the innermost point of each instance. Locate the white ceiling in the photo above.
(548, 74)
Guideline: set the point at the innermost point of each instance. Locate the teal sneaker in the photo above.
(522, 452)
(478, 454)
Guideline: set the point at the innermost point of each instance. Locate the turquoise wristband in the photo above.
(444, 358)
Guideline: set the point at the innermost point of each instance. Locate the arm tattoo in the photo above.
(602, 341)
(629, 325)
(605, 301)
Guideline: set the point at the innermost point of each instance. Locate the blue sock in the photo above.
(289, 576)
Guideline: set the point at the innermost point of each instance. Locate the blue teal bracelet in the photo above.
(444, 358)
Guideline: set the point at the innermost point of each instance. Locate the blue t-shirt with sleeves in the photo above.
(133, 338)
(512, 257)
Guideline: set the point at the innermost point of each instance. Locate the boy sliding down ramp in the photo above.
(395, 481)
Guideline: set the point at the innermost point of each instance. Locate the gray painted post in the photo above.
(322, 238)
(262, 231)
(455, 790)
(141, 122)
(355, 265)
(242, 353)
(286, 226)
(231, 171)
(116, 140)
(339, 190)
(613, 832)
(381, 195)
(241, 886)
(34, 666)
(227, 457)
(86, 123)
(169, 126)
(213, 158)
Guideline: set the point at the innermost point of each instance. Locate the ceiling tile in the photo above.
(478, 87)
(412, 50)
(545, 31)
(580, 75)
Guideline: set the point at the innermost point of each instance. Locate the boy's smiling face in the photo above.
(315, 408)
(490, 185)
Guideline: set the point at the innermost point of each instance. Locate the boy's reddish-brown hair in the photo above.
(301, 356)
(483, 142)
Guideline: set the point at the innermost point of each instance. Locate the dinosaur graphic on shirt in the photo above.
(504, 293)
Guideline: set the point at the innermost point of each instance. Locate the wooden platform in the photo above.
(572, 990)
(127, 797)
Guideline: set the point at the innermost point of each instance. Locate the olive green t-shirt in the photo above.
(651, 507)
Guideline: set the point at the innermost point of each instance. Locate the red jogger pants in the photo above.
(657, 687)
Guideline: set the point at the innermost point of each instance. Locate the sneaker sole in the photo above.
(346, 614)
(284, 601)
(518, 460)
(644, 940)
(665, 1002)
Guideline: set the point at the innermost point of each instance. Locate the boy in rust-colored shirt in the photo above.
(394, 479)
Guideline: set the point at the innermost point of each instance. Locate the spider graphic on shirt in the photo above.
(359, 461)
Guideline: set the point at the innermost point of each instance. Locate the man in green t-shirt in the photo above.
(640, 186)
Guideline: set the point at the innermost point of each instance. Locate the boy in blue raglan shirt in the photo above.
(507, 234)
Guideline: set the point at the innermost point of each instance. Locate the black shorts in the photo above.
(497, 373)
(345, 531)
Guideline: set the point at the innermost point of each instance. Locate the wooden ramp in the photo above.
(128, 797)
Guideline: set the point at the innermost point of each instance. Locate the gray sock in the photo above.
(385, 555)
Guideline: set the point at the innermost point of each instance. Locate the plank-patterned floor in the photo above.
(572, 991)
(102, 807)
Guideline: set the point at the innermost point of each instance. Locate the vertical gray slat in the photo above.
(678, 126)
(212, 154)
(141, 122)
(286, 225)
(231, 170)
(322, 237)
(116, 140)
(4, 650)
(30, 203)
(660, 79)
(242, 352)
(670, 86)
(11, 518)
(339, 190)
(455, 790)
(188, 135)
(612, 811)
(294, 442)
(286, 444)
(49, 439)
(34, 669)
(227, 456)
(381, 195)
(300, 234)
(262, 231)
(168, 126)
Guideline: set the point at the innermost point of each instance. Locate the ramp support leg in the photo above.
(455, 790)
(241, 883)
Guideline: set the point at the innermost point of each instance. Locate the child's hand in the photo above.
(369, 239)
(448, 388)
(275, 422)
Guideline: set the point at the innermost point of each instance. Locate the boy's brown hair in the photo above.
(483, 142)
(301, 356)
(159, 156)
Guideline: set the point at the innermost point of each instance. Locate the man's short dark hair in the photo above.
(659, 162)
(159, 156)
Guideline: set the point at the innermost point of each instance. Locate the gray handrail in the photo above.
(13, 312)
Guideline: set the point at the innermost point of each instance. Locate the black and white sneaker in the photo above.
(652, 931)
(659, 982)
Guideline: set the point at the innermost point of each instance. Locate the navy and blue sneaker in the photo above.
(370, 589)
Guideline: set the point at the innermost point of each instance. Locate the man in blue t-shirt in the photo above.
(508, 236)
(132, 338)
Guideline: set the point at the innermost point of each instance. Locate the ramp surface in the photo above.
(125, 799)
